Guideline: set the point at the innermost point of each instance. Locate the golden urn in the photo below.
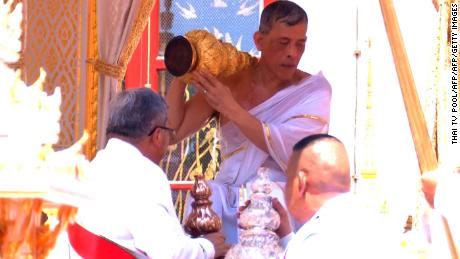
(199, 50)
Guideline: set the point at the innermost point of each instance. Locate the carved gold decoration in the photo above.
(206, 52)
(91, 83)
(114, 71)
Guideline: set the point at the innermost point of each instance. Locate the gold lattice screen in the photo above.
(53, 36)
(198, 154)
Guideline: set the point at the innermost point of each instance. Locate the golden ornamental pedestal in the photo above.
(199, 50)
(23, 232)
(32, 187)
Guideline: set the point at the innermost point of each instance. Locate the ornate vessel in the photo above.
(258, 222)
(200, 49)
(202, 219)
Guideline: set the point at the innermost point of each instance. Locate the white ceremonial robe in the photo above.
(288, 116)
(341, 228)
(133, 206)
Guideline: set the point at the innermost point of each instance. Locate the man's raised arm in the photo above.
(219, 97)
(186, 117)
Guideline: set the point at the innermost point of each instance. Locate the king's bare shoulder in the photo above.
(301, 75)
(298, 76)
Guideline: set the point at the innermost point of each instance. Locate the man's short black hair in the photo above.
(310, 140)
(284, 11)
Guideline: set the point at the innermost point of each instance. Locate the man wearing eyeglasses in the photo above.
(133, 205)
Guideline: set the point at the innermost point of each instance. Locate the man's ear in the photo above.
(303, 184)
(154, 139)
(258, 38)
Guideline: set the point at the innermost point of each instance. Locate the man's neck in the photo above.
(121, 137)
(316, 202)
(140, 144)
(265, 77)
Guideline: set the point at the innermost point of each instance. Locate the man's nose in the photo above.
(291, 50)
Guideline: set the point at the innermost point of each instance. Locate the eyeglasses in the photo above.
(171, 131)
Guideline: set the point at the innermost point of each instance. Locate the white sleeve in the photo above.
(285, 240)
(160, 235)
(308, 118)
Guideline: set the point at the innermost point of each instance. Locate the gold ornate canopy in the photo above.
(64, 40)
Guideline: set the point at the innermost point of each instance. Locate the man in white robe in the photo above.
(132, 203)
(263, 110)
(335, 223)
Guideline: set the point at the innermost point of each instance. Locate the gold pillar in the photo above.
(91, 83)
(425, 152)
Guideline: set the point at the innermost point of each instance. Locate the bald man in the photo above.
(333, 222)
